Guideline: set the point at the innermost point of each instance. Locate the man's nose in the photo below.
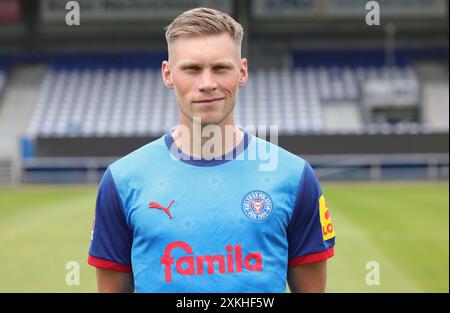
(207, 82)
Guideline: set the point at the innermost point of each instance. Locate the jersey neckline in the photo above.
(185, 158)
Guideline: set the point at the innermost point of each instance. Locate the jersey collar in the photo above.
(231, 155)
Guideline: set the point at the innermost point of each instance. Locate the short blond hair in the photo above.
(204, 21)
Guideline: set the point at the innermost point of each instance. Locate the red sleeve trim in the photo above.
(109, 265)
(311, 258)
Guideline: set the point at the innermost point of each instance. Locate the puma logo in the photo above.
(154, 205)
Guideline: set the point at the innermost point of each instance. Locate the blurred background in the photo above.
(366, 105)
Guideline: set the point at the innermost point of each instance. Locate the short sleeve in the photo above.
(310, 233)
(111, 237)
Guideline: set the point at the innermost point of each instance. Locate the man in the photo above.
(183, 215)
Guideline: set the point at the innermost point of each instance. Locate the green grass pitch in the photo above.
(401, 226)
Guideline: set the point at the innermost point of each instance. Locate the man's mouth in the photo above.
(206, 101)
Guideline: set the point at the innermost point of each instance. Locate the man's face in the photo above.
(205, 72)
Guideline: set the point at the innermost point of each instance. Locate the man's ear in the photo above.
(166, 74)
(243, 72)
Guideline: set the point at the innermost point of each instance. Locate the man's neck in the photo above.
(207, 141)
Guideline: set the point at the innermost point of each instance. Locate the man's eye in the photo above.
(192, 69)
(220, 68)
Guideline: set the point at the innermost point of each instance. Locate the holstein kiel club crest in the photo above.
(257, 205)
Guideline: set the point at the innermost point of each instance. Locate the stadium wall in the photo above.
(297, 144)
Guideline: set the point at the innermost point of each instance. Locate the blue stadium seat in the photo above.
(123, 95)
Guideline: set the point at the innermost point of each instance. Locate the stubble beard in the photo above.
(202, 122)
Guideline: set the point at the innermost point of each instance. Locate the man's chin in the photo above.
(207, 119)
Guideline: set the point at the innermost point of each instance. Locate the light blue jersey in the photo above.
(184, 225)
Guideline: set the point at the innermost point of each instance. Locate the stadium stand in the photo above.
(435, 96)
(101, 95)
(3, 73)
(17, 99)
(4, 163)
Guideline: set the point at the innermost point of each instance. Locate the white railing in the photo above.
(329, 167)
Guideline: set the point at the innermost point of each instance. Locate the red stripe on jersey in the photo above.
(311, 258)
(109, 265)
